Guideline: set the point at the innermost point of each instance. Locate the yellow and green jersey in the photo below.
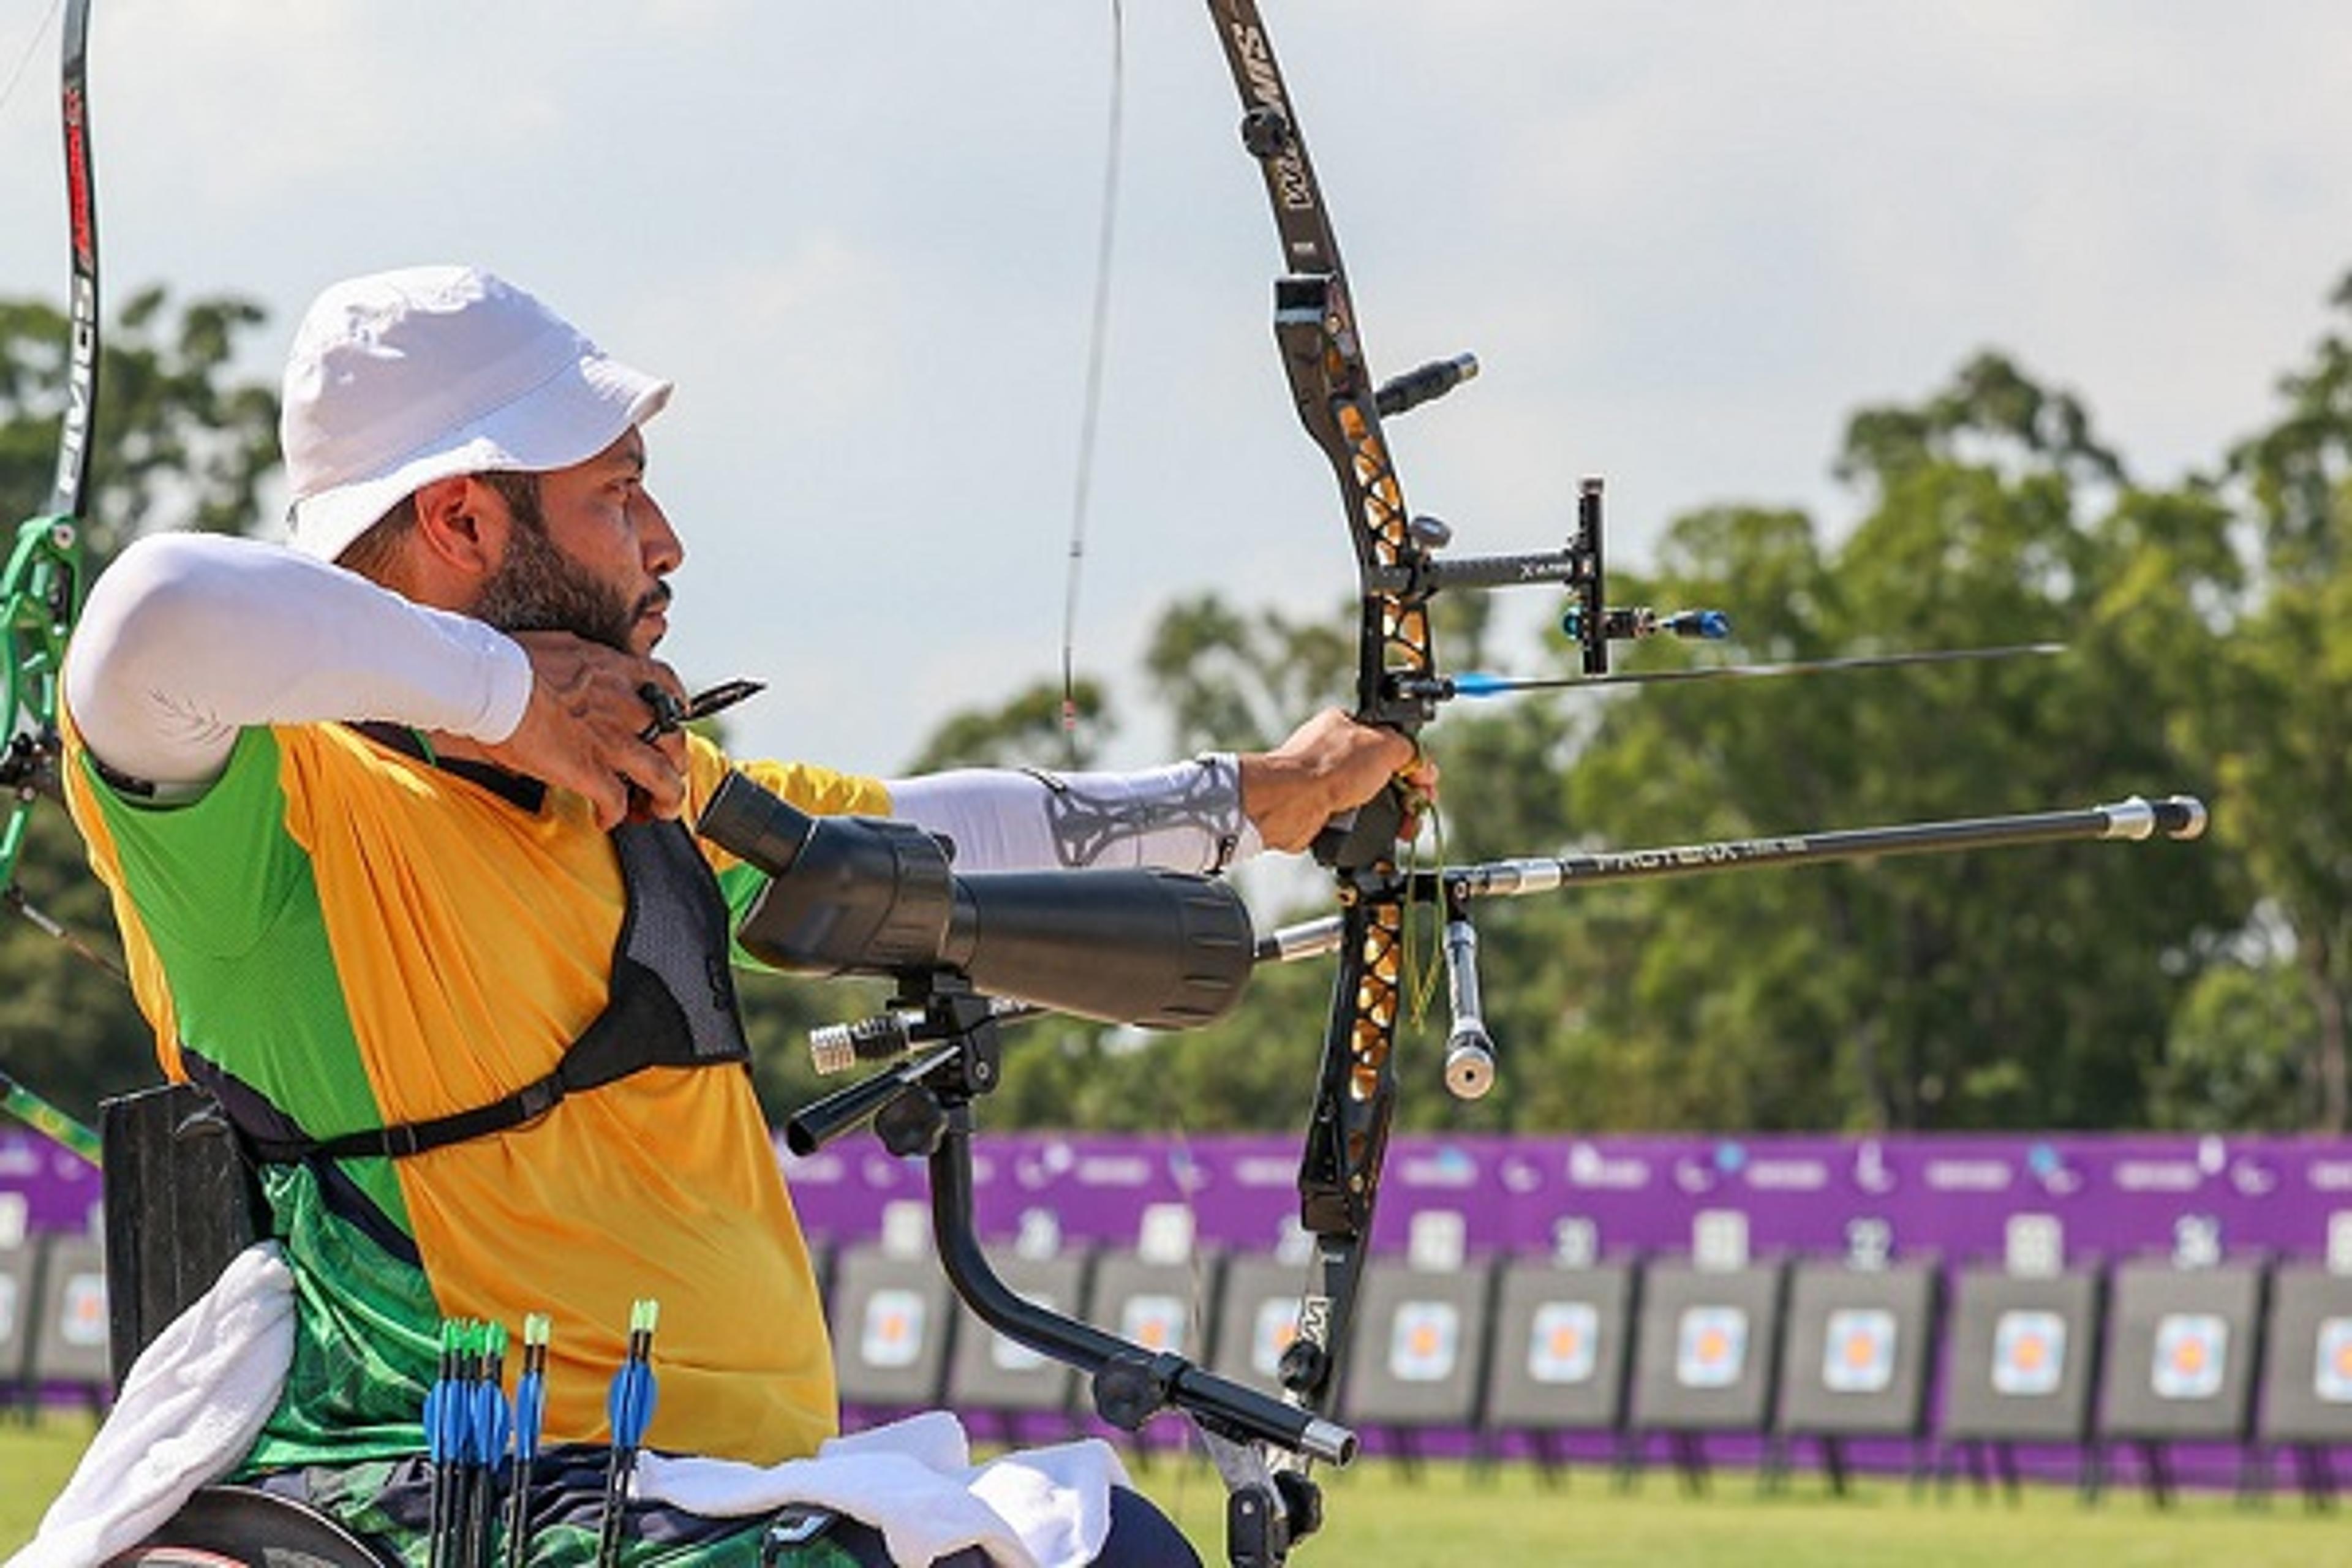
(352, 937)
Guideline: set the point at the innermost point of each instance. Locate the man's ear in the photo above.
(461, 526)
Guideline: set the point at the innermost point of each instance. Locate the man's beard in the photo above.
(538, 588)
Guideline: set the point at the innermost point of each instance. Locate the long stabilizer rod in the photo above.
(837, 1046)
(2176, 817)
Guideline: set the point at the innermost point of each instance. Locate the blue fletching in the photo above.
(492, 1423)
(1478, 684)
(531, 1415)
(629, 1404)
(436, 1437)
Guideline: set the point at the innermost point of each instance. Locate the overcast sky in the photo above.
(1685, 240)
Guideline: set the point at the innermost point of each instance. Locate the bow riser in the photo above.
(1337, 400)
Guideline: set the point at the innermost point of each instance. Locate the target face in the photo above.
(2192, 1355)
(892, 1332)
(1564, 1342)
(1156, 1323)
(2028, 1354)
(1277, 1325)
(81, 1321)
(1858, 1351)
(2331, 1371)
(1425, 1342)
(1710, 1347)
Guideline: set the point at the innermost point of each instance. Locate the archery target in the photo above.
(81, 1319)
(2192, 1355)
(2029, 1353)
(1012, 1355)
(1425, 1342)
(1155, 1322)
(1710, 1347)
(892, 1333)
(1564, 1342)
(2331, 1372)
(1858, 1351)
(1277, 1325)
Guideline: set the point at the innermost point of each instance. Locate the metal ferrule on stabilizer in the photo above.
(2138, 818)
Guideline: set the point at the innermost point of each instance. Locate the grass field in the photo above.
(1379, 1519)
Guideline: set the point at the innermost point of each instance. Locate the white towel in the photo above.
(915, 1482)
(195, 1400)
(191, 1407)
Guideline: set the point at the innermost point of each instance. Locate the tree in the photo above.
(2025, 987)
(183, 442)
(2282, 726)
(1029, 731)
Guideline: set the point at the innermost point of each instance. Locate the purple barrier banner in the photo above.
(2094, 1197)
(43, 1187)
(1955, 1198)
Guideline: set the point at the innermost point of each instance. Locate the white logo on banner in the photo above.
(2331, 1368)
(2033, 1245)
(1719, 1240)
(1858, 1351)
(2192, 1352)
(1165, 1234)
(1277, 1325)
(1564, 1342)
(1711, 1347)
(1154, 1322)
(905, 1228)
(1424, 1342)
(1437, 1241)
(2029, 1353)
(892, 1334)
(1040, 1234)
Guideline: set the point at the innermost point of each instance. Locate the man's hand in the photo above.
(585, 729)
(1329, 765)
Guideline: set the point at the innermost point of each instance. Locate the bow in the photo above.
(41, 588)
(1398, 685)
(1322, 350)
(40, 594)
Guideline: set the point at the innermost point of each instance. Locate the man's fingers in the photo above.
(656, 786)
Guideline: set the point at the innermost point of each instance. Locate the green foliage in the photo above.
(67, 1027)
(2210, 633)
(1029, 730)
(2231, 1062)
(181, 442)
(2068, 986)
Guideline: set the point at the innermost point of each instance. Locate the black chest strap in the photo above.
(672, 1004)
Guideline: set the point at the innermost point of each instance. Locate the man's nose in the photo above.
(664, 550)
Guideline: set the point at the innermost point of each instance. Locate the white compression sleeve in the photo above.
(187, 639)
(1186, 816)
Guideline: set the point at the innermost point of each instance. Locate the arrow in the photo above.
(629, 1409)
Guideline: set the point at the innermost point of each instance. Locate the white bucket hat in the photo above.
(401, 378)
